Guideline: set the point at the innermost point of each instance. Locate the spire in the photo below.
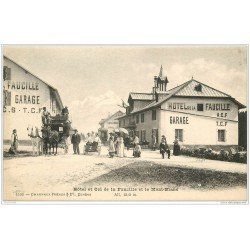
(160, 74)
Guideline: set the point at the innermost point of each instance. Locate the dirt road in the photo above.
(92, 177)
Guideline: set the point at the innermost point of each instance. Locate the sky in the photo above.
(92, 80)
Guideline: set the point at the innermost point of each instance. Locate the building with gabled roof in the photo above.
(25, 95)
(108, 125)
(193, 112)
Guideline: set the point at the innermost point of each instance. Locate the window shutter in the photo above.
(6, 73)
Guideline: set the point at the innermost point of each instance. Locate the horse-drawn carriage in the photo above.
(60, 126)
(52, 135)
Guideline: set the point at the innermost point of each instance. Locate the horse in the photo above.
(36, 140)
(51, 140)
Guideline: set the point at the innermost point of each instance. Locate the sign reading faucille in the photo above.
(23, 85)
(217, 106)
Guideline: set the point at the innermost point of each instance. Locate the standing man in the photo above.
(75, 140)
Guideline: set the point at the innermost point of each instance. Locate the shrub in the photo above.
(222, 155)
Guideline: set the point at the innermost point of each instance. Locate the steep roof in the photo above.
(54, 89)
(141, 96)
(206, 91)
(187, 89)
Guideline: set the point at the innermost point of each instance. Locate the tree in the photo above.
(243, 129)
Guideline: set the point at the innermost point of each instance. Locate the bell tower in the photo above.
(160, 82)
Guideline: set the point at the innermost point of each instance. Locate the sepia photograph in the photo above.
(124, 123)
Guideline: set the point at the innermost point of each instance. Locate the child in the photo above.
(137, 150)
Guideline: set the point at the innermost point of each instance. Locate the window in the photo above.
(221, 135)
(137, 118)
(200, 107)
(6, 98)
(142, 118)
(155, 133)
(153, 114)
(179, 134)
(6, 73)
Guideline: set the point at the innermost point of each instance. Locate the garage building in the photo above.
(24, 96)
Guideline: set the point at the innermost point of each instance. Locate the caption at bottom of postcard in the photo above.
(91, 191)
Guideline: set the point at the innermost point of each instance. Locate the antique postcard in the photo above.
(124, 123)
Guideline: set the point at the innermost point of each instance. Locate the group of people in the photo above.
(92, 142)
(164, 148)
(117, 145)
(46, 116)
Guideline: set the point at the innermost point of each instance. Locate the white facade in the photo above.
(195, 113)
(25, 96)
(200, 127)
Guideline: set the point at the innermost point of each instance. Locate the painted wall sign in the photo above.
(221, 123)
(181, 106)
(23, 85)
(27, 99)
(31, 110)
(217, 106)
(223, 115)
(179, 120)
